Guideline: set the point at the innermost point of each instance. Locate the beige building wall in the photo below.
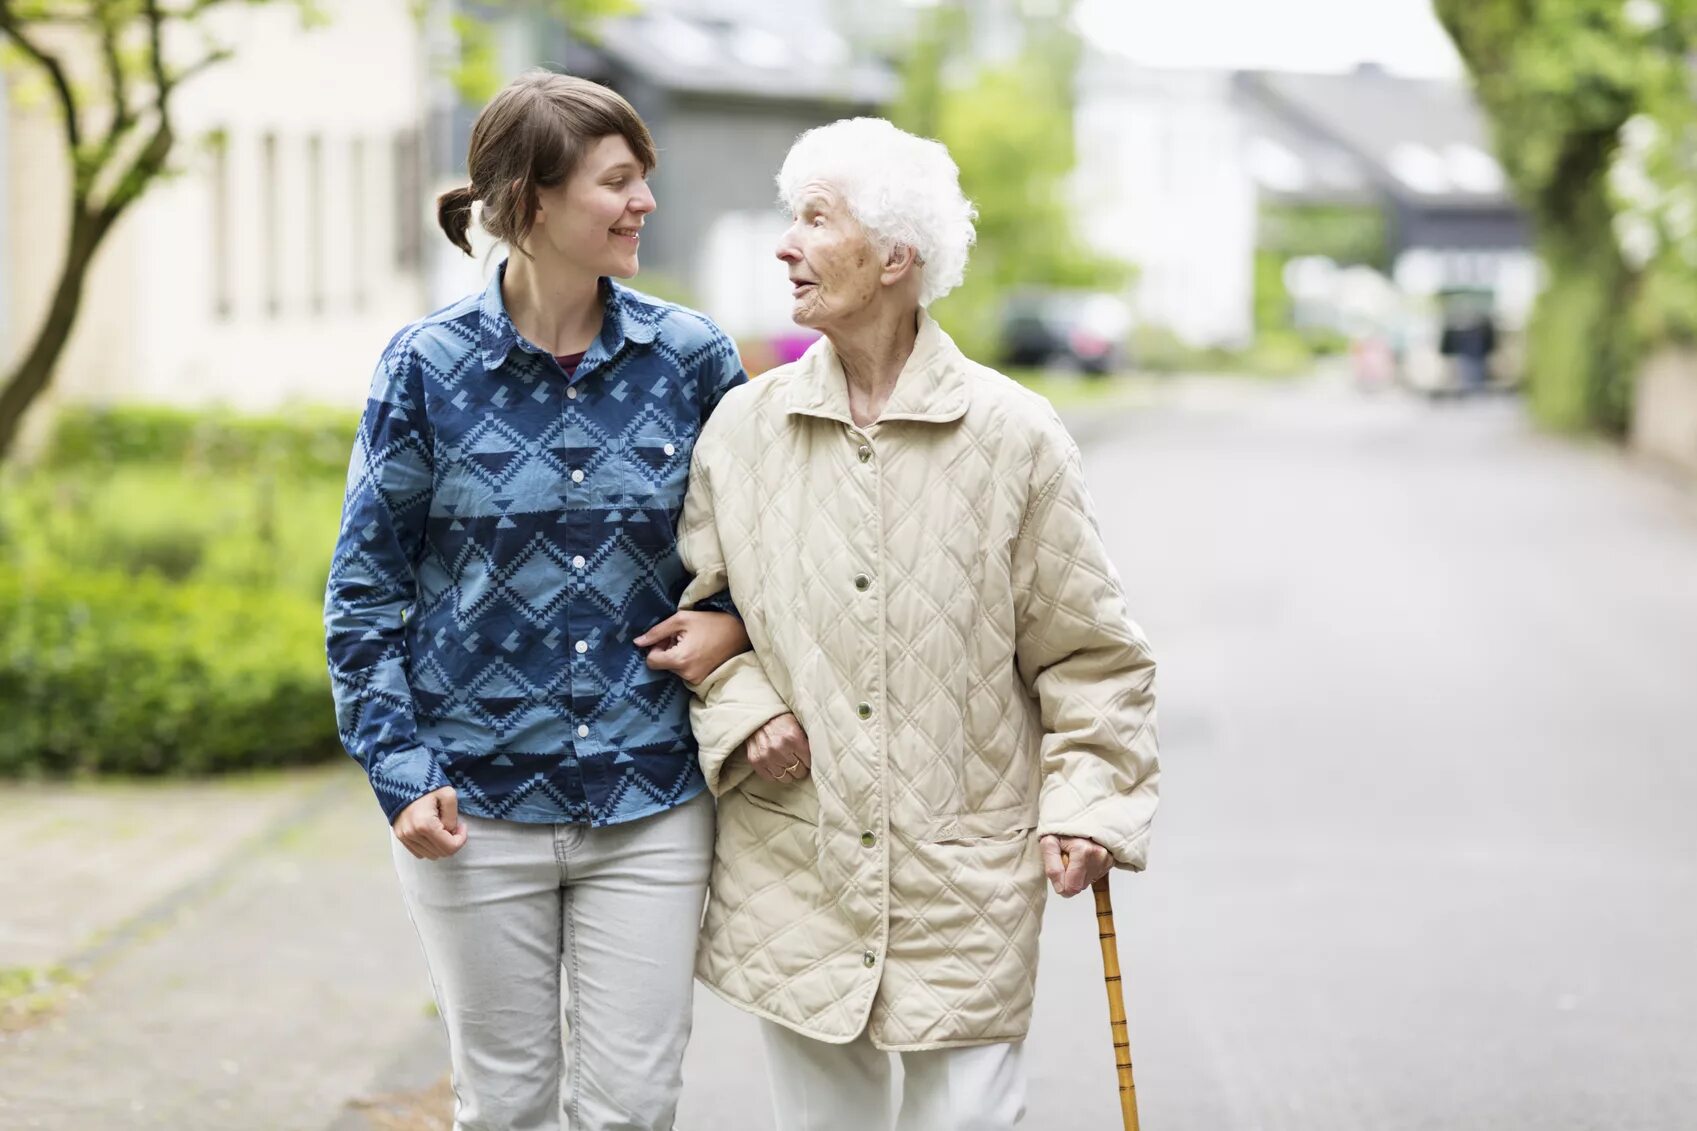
(275, 267)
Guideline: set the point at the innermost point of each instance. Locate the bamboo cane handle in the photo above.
(1116, 1002)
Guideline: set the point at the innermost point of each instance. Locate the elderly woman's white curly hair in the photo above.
(904, 190)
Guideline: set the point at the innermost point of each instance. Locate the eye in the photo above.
(819, 221)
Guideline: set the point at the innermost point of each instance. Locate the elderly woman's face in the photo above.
(834, 269)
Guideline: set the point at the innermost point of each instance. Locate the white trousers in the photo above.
(824, 1087)
(617, 910)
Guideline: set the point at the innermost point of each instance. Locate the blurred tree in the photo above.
(118, 131)
(111, 69)
(1009, 126)
(1564, 83)
(476, 71)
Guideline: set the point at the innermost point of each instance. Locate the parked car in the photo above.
(1084, 331)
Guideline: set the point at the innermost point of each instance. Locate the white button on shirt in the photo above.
(582, 647)
(671, 450)
(583, 732)
(577, 476)
(578, 562)
(571, 393)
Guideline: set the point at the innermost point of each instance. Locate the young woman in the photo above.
(507, 551)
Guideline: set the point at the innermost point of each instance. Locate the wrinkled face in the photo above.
(834, 269)
(594, 220)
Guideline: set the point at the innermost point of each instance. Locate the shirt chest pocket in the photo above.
(653, 463)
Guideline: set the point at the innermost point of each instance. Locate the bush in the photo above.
(308, 442)
(234, 529)
(103, 672)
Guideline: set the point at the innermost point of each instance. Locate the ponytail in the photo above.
(453, 212)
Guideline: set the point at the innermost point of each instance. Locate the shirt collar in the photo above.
(932, 386)
(624, 319)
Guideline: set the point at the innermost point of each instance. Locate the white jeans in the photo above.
(824, 1087)
(617, 909)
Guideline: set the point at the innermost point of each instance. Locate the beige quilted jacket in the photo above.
(930, 597)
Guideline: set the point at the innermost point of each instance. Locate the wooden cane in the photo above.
(1116, 1002)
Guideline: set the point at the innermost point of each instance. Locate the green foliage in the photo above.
(101, 672)
(309, 442)
(1565, 82)
(1346, 233)
(1009, 128)
(1272, 309)
(477, 71)
(161, 596)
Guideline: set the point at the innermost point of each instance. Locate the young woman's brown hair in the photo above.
(531, 136)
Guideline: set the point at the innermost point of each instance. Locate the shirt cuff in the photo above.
(404, 777)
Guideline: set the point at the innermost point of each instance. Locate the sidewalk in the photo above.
(230, 955)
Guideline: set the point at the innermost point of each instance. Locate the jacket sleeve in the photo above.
(722, 371)
(1091, 671)
(373, 586)
(737, 698)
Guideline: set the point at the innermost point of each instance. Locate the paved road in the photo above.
(1427, 857)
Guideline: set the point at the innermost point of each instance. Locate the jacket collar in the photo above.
(932, 386)
(621, 322)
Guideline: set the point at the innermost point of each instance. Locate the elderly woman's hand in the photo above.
(779, 752)
(1073, 863)
(693, 643)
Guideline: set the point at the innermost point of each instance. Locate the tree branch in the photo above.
(148, 164)
(123, 119)
(212, 59)
(156, 51)
(55, 71)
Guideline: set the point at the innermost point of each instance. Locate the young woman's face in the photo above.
(594, 220)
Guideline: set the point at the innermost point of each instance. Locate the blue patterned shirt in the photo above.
(507, 531)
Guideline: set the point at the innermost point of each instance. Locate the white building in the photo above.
(1188, 173)
(275, 265)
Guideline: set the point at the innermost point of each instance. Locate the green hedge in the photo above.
(111, 673)
(309, 442)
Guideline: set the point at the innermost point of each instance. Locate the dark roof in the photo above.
(1422, 141)
(704, 55)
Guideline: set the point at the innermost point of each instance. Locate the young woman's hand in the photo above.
(693, 643)
(430, 827)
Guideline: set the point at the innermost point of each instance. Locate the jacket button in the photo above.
(862, 582)
(865, 454)
(867, 840)
(864, 710)
(869, 959)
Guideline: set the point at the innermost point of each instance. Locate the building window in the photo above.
(223, 298)
(409, 201)
(358, 232)
(317, 233)
(271, 241)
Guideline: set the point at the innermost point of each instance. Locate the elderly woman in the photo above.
(945, 701)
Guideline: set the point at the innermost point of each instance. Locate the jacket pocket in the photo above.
(798, 806)
(1008, 825)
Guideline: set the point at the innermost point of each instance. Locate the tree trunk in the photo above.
(30, 378)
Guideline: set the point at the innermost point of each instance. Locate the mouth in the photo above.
(799, 287)
(632, 235)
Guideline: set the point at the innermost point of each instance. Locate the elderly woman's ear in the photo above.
(901, 260)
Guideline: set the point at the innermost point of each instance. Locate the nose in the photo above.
(787, 250)
(643, 202)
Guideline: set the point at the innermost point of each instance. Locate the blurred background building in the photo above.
(291, 243)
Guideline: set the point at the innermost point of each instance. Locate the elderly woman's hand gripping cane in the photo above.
(1070, 863)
